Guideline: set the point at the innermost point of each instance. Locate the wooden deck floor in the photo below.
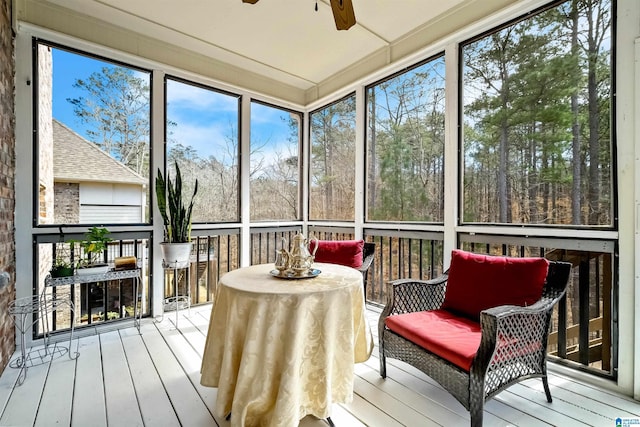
(125, 379)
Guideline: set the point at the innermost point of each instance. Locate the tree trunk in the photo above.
(575, 127)
(372, 154)
(594, 123)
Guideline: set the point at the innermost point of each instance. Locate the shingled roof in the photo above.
(77, 160)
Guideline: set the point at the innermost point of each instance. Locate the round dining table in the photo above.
(281, 349)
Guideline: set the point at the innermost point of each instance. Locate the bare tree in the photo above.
(116, 108)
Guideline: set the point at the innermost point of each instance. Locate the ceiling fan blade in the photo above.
(343, 14)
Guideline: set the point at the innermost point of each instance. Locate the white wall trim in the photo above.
(24, 85)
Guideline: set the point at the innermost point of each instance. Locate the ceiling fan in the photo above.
(342, 12)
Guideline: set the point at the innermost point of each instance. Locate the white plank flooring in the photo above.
(153, 379)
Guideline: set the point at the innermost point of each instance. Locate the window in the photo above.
(93, 139)
(332, 170)
(536, 115)
(275, 165)
(405, 145)
(202, 137)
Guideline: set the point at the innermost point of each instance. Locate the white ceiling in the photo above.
(285, 41)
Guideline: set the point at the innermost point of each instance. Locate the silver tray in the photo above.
(290, 275)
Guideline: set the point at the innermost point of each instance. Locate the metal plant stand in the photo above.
(26, 313)
(134, 274)
(177, 301)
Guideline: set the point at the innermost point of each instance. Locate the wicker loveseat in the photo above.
(479, 328)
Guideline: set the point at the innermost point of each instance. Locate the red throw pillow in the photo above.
(477, 282)
(343, 252)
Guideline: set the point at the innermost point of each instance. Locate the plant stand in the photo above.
(29, 311)
(177, 301)
(135, 274)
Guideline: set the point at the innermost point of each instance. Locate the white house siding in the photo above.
(100, 214)
(106, 203)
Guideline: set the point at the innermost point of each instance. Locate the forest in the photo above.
(534, 134)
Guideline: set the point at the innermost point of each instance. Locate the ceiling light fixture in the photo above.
(343, 13)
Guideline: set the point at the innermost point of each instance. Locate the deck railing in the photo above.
(398, 255)
(583, 332)
(401, 255)
(214, 253)
(265, 241)
(96, 302)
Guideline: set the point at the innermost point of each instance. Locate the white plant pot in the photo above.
(98, 269)
(176, 255)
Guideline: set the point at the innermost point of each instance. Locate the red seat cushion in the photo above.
(477, 282)
(343, 252)
(454, 338)
(451, 337)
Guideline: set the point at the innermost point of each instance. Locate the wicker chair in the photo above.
(368, 254)
(512, 347)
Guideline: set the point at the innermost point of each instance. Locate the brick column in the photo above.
(7, 173)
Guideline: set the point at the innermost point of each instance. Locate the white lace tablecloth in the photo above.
(279, 350)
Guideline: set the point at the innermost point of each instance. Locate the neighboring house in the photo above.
(92, 187)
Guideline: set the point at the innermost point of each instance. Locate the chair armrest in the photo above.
(504, 311)
(510, 332)
(366, 263)
(368, 253)
(411, 295)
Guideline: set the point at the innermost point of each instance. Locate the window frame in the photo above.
(35, 202)
(613, 165)
(310, 144)
(239, 100)
(300, 175)
(439, 54)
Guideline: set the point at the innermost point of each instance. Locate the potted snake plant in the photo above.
(176, 217)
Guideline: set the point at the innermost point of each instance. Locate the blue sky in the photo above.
(67, 68)
(205, 119)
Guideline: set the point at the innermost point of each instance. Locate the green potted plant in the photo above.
(93, 246)
(176, 217)
(61, 267)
